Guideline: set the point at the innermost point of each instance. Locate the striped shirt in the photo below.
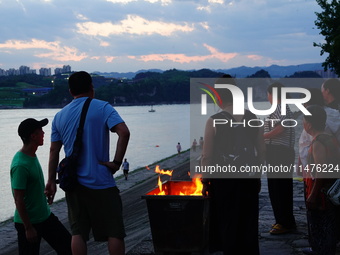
(287, 138)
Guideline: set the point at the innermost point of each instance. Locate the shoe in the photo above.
(278, 229)
(308, 250)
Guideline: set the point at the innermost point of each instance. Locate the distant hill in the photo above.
(128, 75)
(275, 71)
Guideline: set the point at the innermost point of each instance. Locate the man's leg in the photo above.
(116, 246)
(56, 235)
(26, 247)
(78, 245)
(78, 219)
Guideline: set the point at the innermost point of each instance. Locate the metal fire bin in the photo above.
(179, 224)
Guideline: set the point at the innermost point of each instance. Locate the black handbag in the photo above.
(67, 168)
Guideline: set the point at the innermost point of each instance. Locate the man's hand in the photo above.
(31, 235)
(50, 190)
(113, 167)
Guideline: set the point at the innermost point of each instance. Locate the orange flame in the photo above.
(161, 171)
(199, 185)
(160, 186)
(177, 188)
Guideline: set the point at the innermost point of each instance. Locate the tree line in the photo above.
(171, 86)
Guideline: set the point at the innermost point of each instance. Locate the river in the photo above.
(154, 136)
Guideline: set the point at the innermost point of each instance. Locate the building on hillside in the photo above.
(45, 71)
(3, 72)
(26, 70)
(13, 71)
(64, 69)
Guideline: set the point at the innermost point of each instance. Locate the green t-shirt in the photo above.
(26, 174)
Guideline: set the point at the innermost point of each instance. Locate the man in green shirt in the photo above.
(33, 218)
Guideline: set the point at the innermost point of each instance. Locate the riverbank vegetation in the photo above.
(146, 88)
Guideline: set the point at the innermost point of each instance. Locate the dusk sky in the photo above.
(130, 35)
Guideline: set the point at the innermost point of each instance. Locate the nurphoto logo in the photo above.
(239, 102)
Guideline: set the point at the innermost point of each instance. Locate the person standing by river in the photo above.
(95, 204)
(280, 151)
(321, 213)
(331, 93)
(179, 148)
(125, 168)
(234, 201)
(33, 218)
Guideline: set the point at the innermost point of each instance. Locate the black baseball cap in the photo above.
(28, 126)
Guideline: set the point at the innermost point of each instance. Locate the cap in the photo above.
(28, 126)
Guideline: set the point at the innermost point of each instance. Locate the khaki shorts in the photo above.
(99, 210)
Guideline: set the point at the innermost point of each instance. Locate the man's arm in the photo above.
(123, 139)
(51, 187)
(320, 157)
(31, 234)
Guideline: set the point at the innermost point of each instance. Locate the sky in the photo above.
(132, 35)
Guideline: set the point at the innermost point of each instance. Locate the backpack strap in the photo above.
(78, 141)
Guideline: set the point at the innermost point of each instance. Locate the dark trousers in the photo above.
(281, 189)
(234, 216)
(54, 233)
(322, 231)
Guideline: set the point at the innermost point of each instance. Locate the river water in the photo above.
(154, 136)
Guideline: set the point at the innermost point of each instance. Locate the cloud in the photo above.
(163, 2)
(109, 59)
(21, 5)
(204, 8)
(135, 34)
(104, 44)
(38, 65)
(80, 16)
(211, 3)
(182, 58)
(54, 50)
(205, 25)
(293, 35)
(215, 59)
(255, 57)
(121, 1)
(133, 24)
(216, 1)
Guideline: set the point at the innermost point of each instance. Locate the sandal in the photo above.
(278, 229)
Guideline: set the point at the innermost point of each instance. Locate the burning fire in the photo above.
(177, 188)
(161, 171)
